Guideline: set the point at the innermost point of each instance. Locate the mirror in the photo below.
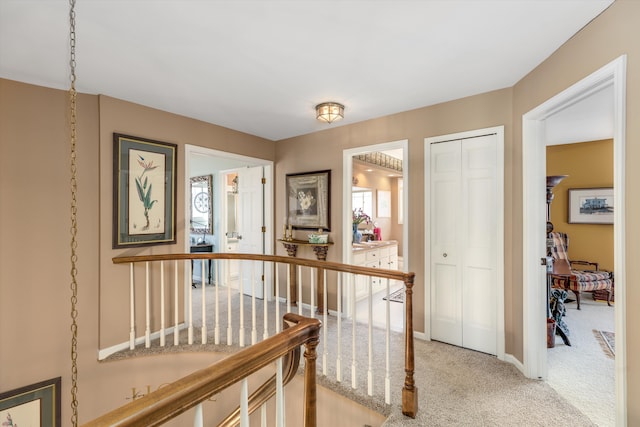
(201, 204)
(232, 206)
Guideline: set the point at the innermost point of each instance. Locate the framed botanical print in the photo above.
(144, 192)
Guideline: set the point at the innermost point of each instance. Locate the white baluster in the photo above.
(162, 308)
(265, 306)
(176, 327)
(244, 403)
(299, 278)
(132, 309)
(277, 285)
(370, 339)
(288, 289)
(339, 356)
(313, 293)
(216, 330)
(325, 353)
(240, 298)
(254, 329)
(279, 395)
(190, 306)
(198, 420)
(203, 334)
(387, 349)
(147, 294)
(229, 327)
(354, 379)
(263, 415)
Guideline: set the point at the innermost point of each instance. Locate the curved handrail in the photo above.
(166, 403)
(327, 265)
(268, 389)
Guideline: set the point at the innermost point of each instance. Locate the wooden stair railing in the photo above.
(168, 402)
(409, 390)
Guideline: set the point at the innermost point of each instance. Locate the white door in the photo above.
(250, 227)
(464, 195)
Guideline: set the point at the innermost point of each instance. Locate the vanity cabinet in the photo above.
(372, 255)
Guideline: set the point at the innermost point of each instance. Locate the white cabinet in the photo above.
(372, 255)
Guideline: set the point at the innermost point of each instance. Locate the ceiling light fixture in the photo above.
(329, 111)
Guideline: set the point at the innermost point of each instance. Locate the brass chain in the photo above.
(74, 222)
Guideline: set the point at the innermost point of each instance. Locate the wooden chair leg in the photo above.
(609, 297)
(577, 293)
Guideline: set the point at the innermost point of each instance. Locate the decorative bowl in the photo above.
(318, 238)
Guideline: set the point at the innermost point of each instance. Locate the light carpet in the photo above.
(456, 387)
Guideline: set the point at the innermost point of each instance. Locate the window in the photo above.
(362, 198)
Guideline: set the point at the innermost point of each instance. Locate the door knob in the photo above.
(444, 255)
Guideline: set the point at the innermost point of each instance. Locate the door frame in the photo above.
(240, 160)
(534, 221)
(347, 218)
(499, 132)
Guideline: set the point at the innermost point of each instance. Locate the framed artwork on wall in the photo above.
(144, 192)
(384, 204)
(34, 405)
(591, 206)
(308, 200)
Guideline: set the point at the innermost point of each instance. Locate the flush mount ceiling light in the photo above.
(329, 111)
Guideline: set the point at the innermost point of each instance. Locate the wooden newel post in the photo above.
(310, 356)
(409, 390)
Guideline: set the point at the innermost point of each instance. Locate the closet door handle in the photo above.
(444, 255)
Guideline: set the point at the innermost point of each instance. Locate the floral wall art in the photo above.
(308, 200)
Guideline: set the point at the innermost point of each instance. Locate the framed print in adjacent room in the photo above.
(591, 206)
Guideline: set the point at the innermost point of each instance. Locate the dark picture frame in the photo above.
(144, 192)
(590, 206)
(309, 200)
(36, 404)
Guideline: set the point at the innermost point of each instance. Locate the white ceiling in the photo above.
(261, 66)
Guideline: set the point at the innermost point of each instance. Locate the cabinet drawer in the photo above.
(359, 258)
(372, 255)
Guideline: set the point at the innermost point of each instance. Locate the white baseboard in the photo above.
(509, 358)
(106, 352)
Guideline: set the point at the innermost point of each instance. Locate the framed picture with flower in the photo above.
(309, 200)
(144, 192)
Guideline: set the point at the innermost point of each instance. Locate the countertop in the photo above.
(373, 244)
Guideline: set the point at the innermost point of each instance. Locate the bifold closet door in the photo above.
(463, 243)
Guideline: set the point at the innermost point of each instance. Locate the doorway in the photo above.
(534, 221)
(399, 149)
(206, 161)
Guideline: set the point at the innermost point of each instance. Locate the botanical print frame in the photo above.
(34, 405)
(309, 200)
(591, 206)
(144, 192)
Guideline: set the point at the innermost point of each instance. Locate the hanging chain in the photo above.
(74, 222)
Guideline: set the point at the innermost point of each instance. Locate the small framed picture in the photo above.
(34, 405)
(591, 206)
(308, 200)
(144, 192)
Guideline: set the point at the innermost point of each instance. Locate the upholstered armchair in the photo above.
(586, 278)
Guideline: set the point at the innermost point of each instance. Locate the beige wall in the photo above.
(589, 165)
(34, 207)
(294, 155)
(612, 34)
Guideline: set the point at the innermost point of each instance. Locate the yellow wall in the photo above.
(589, 165)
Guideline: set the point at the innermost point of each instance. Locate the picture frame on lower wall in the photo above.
(591, 206)
(33, 405)
(144, 192)
(309, 200)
